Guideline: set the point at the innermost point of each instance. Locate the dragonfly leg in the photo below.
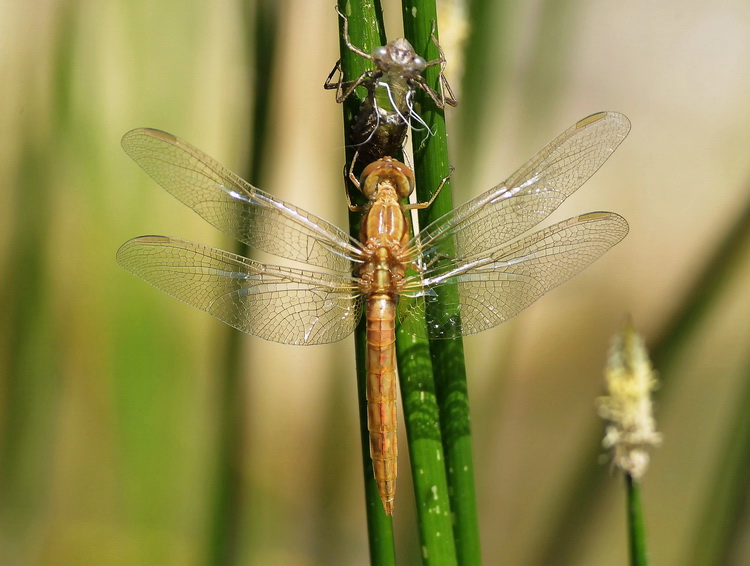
(347, 40)
(446, 87)
(353, 178)
(339, 84)
(437, 97)
(421, 205)
(345, 88)
(440, 99)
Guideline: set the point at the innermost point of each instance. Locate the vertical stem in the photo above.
(636, 527)
(229, 495)
(421, 414)
(431, 166)
(365, 31)
(703, 293)
(488, 53)
(721, 528)
(30, 370)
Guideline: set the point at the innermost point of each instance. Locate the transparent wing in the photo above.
(496, 288)
(236, 207)
(280, 304)
(530, 195)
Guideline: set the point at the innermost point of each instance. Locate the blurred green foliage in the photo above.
(111, 399)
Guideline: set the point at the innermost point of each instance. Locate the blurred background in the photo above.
(112, 394)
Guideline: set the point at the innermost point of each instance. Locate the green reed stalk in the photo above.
(229, 497)
(721, 529)
(365, 31)
(417, 383)
(636, 526)
(431, 167)
(422, 416)
(424, 433)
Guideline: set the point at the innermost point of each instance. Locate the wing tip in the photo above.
(161, 135)
(612, 218)
(610, 115)
(123, 252)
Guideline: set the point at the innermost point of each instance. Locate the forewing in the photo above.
(236, 207)
(279, 304)
(530, 195)
(495, 289)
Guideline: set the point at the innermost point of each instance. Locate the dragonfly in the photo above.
(381, 125)
(386, 274)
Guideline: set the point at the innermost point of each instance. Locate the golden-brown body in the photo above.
(385, 232)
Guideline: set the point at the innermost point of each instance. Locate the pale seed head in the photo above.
(627, 407)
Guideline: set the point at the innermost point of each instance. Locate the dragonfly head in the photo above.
(386, 171)
(399, 55)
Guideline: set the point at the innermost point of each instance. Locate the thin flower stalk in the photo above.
(630, 381)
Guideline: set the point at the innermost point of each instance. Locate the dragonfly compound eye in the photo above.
(418, 64)
(381, 57)
(404, 179)
(368, 181)
(380, 52)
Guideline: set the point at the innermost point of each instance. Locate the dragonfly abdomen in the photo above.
(381, 394)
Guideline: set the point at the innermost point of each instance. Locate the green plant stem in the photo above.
(229, 495)
(431, 167)
(487, 53)
(426, 448)
(34, 355)
(721, 528)
(366, 32)
(636, 527)
(702, 295)
(425, 445)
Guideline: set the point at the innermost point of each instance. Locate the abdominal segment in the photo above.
(381, 394)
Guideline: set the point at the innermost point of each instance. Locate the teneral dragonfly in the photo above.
(497, 273)
(381, 124)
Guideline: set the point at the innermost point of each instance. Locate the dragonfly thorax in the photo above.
(383, 274)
